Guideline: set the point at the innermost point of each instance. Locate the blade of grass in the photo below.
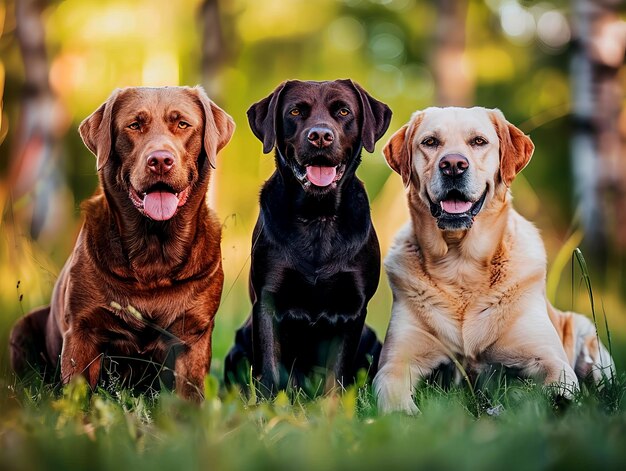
(560, 262)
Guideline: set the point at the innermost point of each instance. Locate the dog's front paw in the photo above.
(394, 395)
(566, 386)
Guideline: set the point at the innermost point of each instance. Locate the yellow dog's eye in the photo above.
(479, 141)
(134, 126)
(344, 112)
(183, 125)
(430, 142)
(295, 112)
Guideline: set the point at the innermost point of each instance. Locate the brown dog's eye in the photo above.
(479, 141)
(134, 126)
(430, 142)
(183, 125)
(344, 112)
(295, 112)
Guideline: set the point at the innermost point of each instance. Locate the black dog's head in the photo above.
(319, 128)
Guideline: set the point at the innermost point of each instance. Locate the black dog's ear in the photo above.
(262, 118)
(376, 117)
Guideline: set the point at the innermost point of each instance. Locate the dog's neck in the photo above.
(137, 247)
(479, 244)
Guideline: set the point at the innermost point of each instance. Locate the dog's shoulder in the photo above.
(524, 242)
(403, 259)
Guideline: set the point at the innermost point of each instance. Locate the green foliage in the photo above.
(73, 429)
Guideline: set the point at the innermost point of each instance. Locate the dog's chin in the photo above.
(455, 211)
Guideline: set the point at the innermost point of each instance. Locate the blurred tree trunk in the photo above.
(453, 77)
(597, 144)
(213, 48)
(34, 171)
(214, 55)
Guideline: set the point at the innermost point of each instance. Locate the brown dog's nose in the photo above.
(320, 137)
(160, 161)
(453, 165)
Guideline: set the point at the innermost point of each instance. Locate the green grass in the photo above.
(505, 423)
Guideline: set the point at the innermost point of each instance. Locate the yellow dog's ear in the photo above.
(398, 150)
(516, 148)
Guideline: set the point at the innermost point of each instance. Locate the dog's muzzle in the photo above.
(455, 211)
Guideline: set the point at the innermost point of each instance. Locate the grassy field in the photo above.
(505, 423)
(498, 422)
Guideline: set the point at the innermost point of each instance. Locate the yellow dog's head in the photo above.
(457, 160)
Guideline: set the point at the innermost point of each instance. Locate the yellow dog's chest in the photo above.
(451, 306)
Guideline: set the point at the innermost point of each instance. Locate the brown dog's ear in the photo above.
(376, 117)
(398, 150)
(219, 126)
(262, 118)
(95, 130)
(516, 148)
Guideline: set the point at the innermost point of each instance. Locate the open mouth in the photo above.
(159, 202)
(456, 206)
(320, 176)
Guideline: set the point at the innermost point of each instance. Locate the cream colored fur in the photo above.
(476, 294)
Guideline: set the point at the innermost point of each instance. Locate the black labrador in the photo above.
(315, 254)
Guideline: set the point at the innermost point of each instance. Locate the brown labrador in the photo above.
(145, 276)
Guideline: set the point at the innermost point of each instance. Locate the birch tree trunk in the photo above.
(597, 144)
(34, 170)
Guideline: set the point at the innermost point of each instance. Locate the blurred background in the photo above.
(555, 68)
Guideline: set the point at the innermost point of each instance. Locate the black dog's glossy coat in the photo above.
(315, 254)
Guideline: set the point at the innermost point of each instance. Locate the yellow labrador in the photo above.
(467, 271)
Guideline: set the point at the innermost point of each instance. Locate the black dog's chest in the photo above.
(317, 239)
(335, 297)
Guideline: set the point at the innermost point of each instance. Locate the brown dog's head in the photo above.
(155, 145)
(457, 159)
(318, 129)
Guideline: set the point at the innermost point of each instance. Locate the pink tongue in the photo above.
(321, 176)
(456, 206)
(160, 205)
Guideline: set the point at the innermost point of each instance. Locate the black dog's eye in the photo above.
(183, 125)
(134, 126)
(479, 141)
(295, 112)
(344, 112)
(431, 142)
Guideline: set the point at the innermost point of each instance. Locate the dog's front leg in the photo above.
(80, 355)
(265, 343)
(192, 365)
(342, 356)
(531, 343)
(409, 354)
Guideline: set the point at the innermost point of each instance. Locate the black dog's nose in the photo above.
(320, 137)
(453, 165)
(160, 161)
